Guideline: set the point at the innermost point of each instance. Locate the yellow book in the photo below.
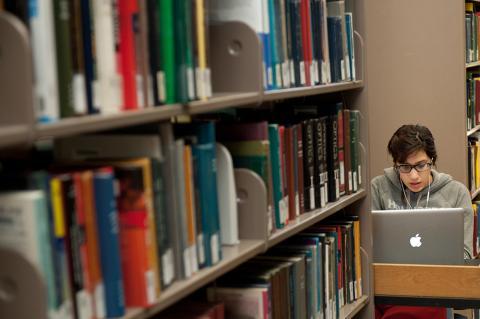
(358, 257)
(201, 71)
(57, 207)
(468, 7)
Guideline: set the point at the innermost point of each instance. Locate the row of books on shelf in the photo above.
(305, 42)
(471, 33)
(311, 275)
(473, 99)
(110, 56)
(151, 205)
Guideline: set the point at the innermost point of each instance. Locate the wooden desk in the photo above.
(427, 285)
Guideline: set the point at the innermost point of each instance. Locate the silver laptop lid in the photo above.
(420, 236)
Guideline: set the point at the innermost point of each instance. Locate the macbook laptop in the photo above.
(420, 236)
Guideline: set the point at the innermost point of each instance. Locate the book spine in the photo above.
(108, 84)
(309, 165)
(108, 228)
(91, 238)
(78, 60)
(45, 61)
(127, 12)
(166, 75)
(165, 250)
(300, 165)
(61, 12)
(276, 174)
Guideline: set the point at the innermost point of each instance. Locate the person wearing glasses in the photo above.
(412, 182)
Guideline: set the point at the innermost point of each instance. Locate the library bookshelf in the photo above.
(18, 129)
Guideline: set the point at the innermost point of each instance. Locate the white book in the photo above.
(227, 197)
(44, 60)
(108, 86)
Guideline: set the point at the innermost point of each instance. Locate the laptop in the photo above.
(421, 236)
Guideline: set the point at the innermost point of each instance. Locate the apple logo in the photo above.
(416, 241)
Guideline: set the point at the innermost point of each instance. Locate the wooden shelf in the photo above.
(427, 281)
(312, 90)
(222, 101)
(94, 123)
(350, 310)
(232, 257)
(473, 130)
(310, 218)
(472, 64)
(475, 193)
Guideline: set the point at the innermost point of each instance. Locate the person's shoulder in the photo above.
(454, 185)
(380, 179)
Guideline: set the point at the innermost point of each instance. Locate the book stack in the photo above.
(311, 275)
(305, 42)
(111, 56)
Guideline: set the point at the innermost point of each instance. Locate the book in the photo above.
(166, 54)
(44, 62)
(78, 61)
(135, 239)
(127, 20)
(94, 273)
(108, 86)
(61, 13)
(109, 244)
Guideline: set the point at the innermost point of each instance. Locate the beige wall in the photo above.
(415, 73)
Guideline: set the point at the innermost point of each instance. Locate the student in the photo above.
(413, 183)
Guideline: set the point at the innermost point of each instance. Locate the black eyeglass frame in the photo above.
(401, 168)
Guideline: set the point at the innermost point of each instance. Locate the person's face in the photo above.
(419, 175)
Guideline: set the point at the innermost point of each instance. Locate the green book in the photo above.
(166, 75)
(61, 12)
(278, 203)
(184, 84)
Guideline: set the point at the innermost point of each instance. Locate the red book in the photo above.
(306, 40)
(127, 11)
(289, 165)
(281, 133)
(132, 214)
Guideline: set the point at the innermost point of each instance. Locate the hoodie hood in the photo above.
(439, 180)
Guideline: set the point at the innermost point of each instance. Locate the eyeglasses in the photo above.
(420, 167)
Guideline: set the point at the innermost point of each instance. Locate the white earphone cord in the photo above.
(418, 200)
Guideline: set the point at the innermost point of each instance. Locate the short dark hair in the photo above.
(409, 139)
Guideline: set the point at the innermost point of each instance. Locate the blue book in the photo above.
(108, 230)
(88, 54)
(334, 47)
(204, 153)
(272, 23)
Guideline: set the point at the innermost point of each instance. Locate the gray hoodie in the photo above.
(444, 193)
